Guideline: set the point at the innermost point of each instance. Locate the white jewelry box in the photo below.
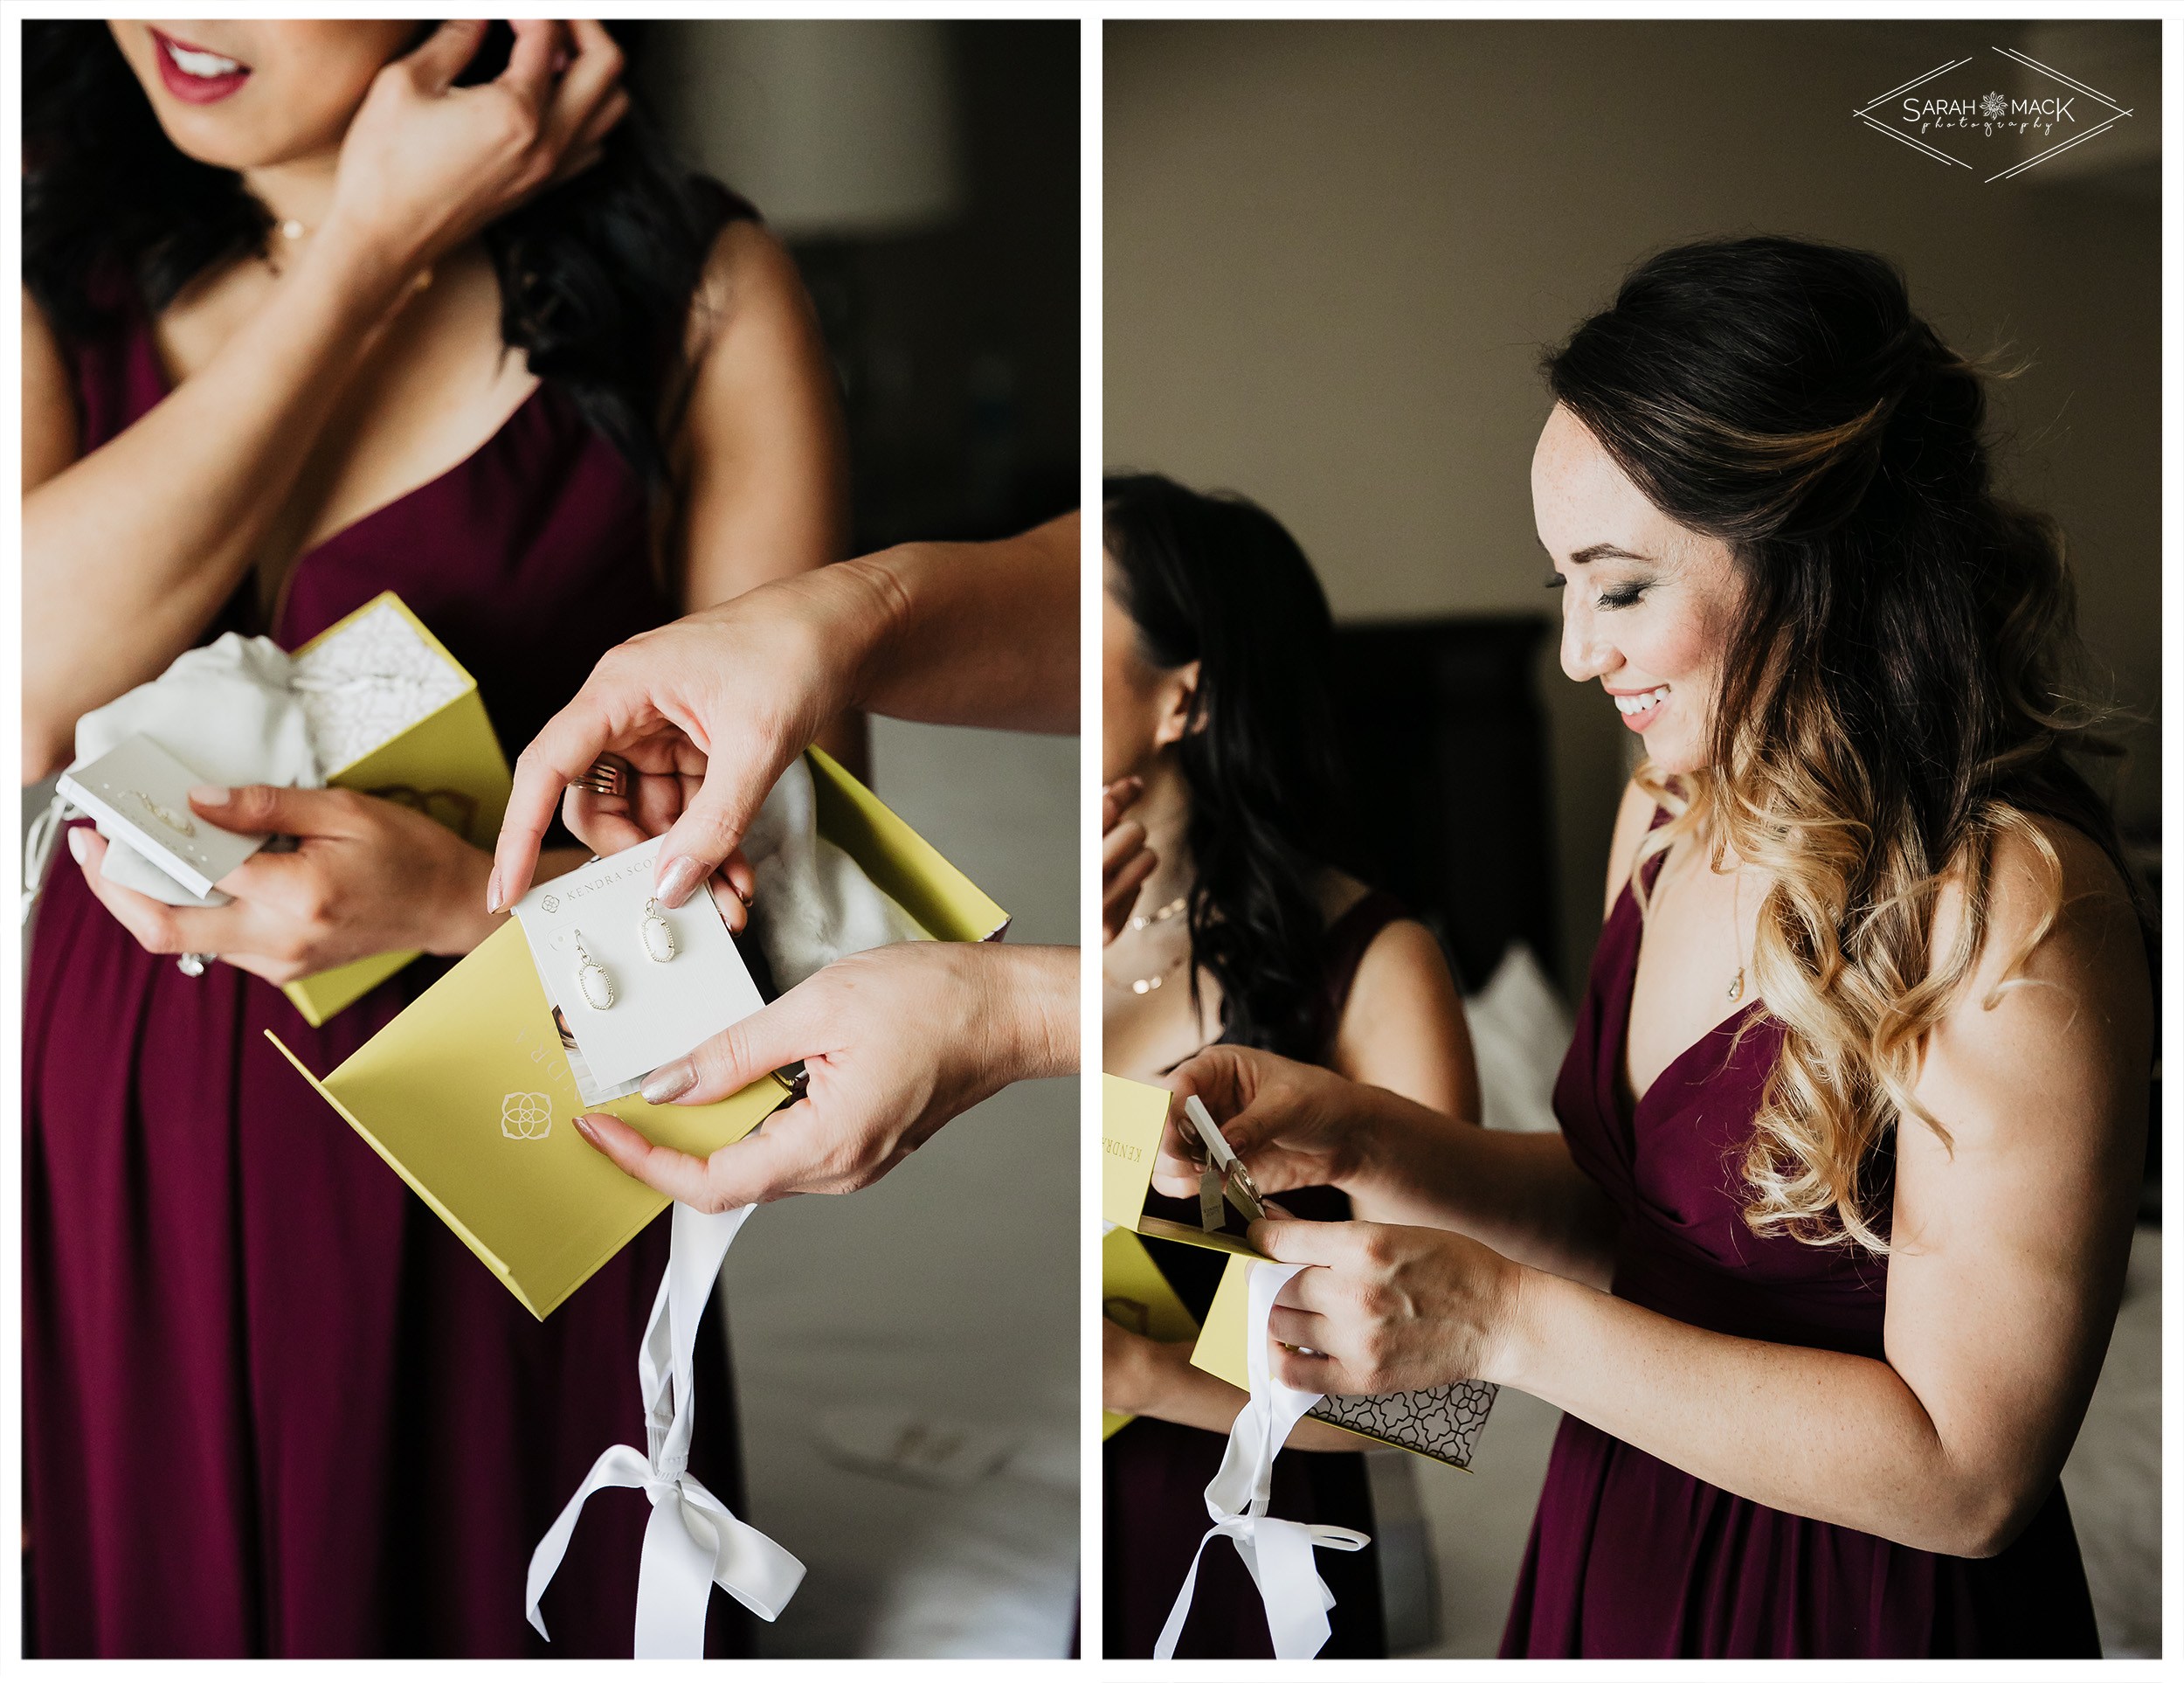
(140, 795)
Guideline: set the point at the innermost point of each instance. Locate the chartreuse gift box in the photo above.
(1135, 1295)
(1131, 1116)
(1442, 1424)
(468, 1096)
(393, 714)
(1133, 1292)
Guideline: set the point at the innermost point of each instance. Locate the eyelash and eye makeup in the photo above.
(1629, 596)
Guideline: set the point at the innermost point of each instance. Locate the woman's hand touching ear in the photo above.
(426, 163)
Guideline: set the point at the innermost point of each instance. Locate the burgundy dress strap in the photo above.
(1631, 1557)
(1348, 937)
(1652, 867)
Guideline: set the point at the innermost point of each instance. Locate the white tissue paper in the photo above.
(813, 903)
(227, 712)
(243, 711)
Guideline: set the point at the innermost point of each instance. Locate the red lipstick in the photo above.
(187, 84)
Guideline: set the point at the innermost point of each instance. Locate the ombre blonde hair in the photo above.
(1896, 702)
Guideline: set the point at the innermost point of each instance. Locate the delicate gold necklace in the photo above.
(1172, 908)
(297, 232)
(1152, 983)
(1737, 933)
(294, 233)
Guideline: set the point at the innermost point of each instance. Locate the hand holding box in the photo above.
(467, 1093)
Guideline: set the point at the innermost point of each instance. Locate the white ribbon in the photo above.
(1277, 1553)
(692, 1541)
(38, 849)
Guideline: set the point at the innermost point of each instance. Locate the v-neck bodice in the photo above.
(1672, 1162)
(529, 558)
(1633, 1558)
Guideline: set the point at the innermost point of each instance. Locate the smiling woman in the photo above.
(1821, 1264)
(1844, 633)
(1854, 670)
(1687, 584)
(317, 309)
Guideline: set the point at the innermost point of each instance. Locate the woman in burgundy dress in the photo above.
(1823, 1265)
(315, 310)
(1231, 926)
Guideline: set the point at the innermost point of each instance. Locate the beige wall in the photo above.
(1333, 253)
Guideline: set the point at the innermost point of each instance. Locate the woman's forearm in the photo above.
(1520, 1195)
(128, 552)
(1032, 1009)
(1840, 1438)
(977, 634)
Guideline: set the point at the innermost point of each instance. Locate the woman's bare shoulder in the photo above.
(1403, 955)
(1403, 1025)
(749, 280)
(2057, 910)
(2048, 1042)
(758, 447)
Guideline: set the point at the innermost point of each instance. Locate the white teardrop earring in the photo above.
(592, 979)
(656, 933)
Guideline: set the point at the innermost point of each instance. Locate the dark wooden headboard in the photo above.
(1445, 743)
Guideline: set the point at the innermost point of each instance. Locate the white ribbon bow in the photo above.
(1277, 1553)
(692, 1541)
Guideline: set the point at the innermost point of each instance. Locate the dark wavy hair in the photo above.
(1217, 579)
(1899, 694)
(596, 276)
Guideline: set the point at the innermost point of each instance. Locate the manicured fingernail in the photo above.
(668, 1082)
(677, 882)
(208, 794)
(492, 890)
(584, 1128)
(80, 844)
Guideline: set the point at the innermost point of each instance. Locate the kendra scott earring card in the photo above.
(140, 794)
(643, 1011)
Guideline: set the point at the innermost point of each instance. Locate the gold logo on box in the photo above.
(526, 1116)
